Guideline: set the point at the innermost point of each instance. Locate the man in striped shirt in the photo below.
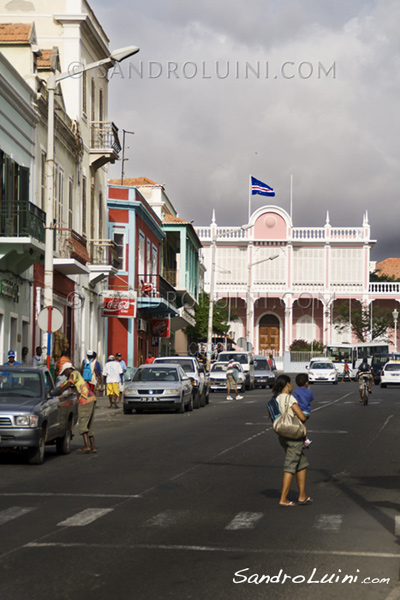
(231, 379)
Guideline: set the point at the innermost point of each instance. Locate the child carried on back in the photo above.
(304, 397)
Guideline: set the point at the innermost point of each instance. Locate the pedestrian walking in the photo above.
(295, 461)
(89, 370)
(121, 385)
(231, 379)
(86, 405)
(113, 375)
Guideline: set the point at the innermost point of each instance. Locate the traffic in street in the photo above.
(186, 506)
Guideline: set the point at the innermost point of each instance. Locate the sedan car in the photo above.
(218, 377)
(322, 371)
(390, 373)
(158, 386)
(30, 417)
(263, 374)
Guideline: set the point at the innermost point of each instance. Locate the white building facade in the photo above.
(283, 281)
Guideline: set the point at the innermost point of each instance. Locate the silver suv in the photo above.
(196, 372)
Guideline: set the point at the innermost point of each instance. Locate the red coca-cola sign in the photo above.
(161, 327)
(119, 305)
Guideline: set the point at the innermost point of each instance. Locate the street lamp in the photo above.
(52, 83)
(248, 312)
(395, 315)
(212, 278)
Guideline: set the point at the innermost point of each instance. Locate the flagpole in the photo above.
(249, 198)
(291, 198)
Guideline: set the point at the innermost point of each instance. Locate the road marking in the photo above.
(62, 495)
(244, 520)
(330, 523)
(85, 517)
(241, 549)
(325, 431)
(381, 429)
(165, 519)
(13, 513)
(397, 525)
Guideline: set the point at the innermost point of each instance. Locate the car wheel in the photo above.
(181, 408)
(208, 397)
(383, 385)
(335, 383)
(127, 411)
(63, 444)
(36, 455)
(196, 399)
(263, 387)
(189, 407)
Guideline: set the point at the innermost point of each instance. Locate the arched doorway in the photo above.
(268, 334)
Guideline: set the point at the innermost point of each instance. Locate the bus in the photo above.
(354, 353)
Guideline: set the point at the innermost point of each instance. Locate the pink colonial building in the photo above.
(283, 281)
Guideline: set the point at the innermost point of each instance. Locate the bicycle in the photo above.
(365, 391)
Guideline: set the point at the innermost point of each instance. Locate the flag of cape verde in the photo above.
(258, 187)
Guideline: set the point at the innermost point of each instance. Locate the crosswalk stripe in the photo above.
(397, 525)
(244, 520)
(85, 517)
(166, 518)
(330, 523)
(13, 513)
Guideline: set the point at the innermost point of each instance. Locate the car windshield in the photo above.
(392, 367)
(187, 365)
(240, 358)
(156, 374)
(261, 363)
(14, 382)
(321, 365)
(216, 368)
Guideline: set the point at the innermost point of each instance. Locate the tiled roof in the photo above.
(171, 219)
(389, 267)
(135, 182)
(43, 62)
(15, 32)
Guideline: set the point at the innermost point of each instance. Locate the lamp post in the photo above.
(248, 311)
(395, 315)
(212, 280)
(52, 82)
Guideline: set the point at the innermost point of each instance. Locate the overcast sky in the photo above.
(222, 89)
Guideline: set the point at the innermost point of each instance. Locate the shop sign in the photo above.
(161, 327)
(10, 289)
(119, 304)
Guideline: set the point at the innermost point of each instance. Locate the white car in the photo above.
(322, 371)
(390, 373)
(218, 377)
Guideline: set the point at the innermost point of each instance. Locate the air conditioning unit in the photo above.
(141, 325)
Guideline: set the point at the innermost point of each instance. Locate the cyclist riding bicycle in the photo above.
(364, 372)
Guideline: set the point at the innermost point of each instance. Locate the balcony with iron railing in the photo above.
(104, 143)
(71, 252)
(156, 295)
(22, 235)
(104, 259)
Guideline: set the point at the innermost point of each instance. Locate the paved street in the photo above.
(185, 506)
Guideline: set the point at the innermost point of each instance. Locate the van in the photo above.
(243, 358)
(378, 362)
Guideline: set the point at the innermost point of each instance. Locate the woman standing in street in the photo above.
(295, 461)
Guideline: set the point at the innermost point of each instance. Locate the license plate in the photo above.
(152, 399)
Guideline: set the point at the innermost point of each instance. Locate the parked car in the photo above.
(323, 371)
(30, 417)
(379, 360)
(243, 358)
(390, 373)
(218, 377)
(157, 386)
(195, 370)
(263, 374)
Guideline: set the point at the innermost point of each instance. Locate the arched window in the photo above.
(305, 328)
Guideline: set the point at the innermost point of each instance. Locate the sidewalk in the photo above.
(103, 409)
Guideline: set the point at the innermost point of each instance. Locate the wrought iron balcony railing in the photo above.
(104, 252)
(22, 219)
(69, 244)
(104, 137)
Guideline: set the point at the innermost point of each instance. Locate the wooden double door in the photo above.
(268, 334)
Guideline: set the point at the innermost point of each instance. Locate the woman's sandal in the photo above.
(84, 451)
(285, 505)
(308, 501)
